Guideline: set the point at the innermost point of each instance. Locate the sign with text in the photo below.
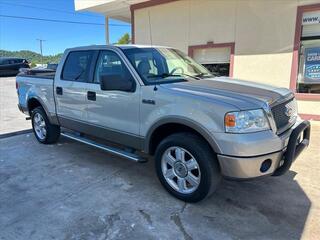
(312, 65)
(311, 18)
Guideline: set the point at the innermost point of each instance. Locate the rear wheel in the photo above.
(44, 131)
(186, 167)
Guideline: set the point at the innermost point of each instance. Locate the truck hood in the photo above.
(239, 93)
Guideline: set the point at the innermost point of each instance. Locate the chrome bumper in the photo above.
(267, 164)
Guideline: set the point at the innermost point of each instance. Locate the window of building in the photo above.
(309, 55)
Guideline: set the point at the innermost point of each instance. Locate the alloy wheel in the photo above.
(180, 170)
(39, 126)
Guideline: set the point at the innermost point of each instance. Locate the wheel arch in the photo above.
(168, 126)
(34, 102)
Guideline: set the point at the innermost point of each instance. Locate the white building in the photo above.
(269, 41)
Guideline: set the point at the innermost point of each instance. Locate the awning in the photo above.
(117, 9)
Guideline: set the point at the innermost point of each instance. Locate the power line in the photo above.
(47, 9)
(63, 21)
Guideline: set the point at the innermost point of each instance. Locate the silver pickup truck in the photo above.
(139, 101)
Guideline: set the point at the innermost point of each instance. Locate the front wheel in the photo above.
(187, 167)
(44, 131)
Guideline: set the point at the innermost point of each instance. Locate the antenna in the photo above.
(40, 42)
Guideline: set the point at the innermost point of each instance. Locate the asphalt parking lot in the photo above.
(72, 191)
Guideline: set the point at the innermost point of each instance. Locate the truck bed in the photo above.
(38, 84)
(37, 73)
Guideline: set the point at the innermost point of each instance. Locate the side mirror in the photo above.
(117, 82)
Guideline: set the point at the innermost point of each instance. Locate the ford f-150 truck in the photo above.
(139, 101)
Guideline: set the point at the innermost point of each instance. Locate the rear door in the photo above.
(71, 88)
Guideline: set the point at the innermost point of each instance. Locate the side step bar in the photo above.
(112, 150)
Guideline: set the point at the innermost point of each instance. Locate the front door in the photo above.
(115, 113)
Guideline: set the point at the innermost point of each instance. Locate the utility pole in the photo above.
(40, 41)
(107, 30)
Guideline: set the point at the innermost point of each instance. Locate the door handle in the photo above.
(91, 96)
(59, 90)
(149, 101)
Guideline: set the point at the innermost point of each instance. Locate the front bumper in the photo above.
(275, 163)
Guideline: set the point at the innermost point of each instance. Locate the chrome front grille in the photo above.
(285, 114)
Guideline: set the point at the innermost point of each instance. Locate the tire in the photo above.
(174, 172)
(40, 121)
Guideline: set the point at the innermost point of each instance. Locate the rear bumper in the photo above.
(276, 163)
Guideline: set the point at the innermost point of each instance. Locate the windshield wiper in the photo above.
(203, 75)
(165, 75)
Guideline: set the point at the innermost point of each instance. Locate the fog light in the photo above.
(265, 165)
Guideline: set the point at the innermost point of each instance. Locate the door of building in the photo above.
(216, 60)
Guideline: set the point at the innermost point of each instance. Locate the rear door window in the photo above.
(77, 66)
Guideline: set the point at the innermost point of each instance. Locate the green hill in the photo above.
(32, 57)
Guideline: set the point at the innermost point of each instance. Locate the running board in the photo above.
(112, 150)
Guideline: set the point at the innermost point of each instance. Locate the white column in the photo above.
(107, 30)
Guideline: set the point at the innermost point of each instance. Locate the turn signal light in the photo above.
(230, 120)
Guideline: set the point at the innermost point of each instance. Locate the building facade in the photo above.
(268, 41)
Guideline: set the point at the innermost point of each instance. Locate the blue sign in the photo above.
(312, 64)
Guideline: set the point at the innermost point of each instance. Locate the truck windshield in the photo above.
(164, 65)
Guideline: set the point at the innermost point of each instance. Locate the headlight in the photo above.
(246, 121)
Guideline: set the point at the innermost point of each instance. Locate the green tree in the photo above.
(32, 57)
(125, 39)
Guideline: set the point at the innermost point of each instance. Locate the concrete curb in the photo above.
(11, 134)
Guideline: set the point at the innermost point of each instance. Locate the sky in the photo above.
(21, 34)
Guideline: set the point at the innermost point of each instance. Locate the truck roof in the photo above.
(125, 46)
